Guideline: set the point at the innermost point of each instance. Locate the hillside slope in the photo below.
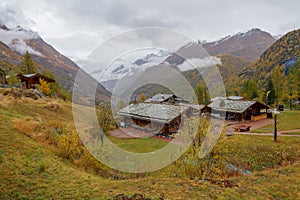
(231, 66)
(8, 58)
(30, 167)
(287, 47)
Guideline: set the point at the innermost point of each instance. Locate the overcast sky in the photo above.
(76, 27)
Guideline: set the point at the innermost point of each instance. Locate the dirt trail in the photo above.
(258, 124)
(279, 133)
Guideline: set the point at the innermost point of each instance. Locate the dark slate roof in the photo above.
(162, 113)
(227, 105)
(160, 98)
(36, 76)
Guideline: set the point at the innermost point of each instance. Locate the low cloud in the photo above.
(15, 39)
(197, 63)
(12, 15)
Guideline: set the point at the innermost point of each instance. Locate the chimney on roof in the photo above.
(222, 103)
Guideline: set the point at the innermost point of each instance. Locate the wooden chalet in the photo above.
(30, 80)
(161, 114)
(154, 118)
(238, 109)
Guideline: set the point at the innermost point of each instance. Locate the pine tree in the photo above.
(12, 80)
(27, 65)
(251, 89)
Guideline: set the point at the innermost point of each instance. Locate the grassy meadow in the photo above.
(41, 158)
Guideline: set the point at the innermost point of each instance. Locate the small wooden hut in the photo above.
(239, 109)
(30, 80)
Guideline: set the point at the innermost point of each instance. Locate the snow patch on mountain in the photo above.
(122, 67)
(245, 33)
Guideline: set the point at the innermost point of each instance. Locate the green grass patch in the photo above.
(287, 120)
(258, 152)
(138, 145)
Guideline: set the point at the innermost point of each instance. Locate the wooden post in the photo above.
(275, 127)
(275, 124)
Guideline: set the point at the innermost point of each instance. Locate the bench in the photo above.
(242, 128)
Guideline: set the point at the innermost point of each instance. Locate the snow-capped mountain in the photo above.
(14, 42)
(191, 50)
(122, 67)
(249, 44)
(15, 39)
(246, 45)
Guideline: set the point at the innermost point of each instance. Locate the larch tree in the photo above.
(291, 85)
(202, 94)
(121, 104)
(279, 84)
(142, 97)
(44, 87)
(270, 93)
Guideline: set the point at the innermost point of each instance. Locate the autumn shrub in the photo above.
(55, 128)
(190, 164)
(105, 117)
(44, 87)
(69, 146)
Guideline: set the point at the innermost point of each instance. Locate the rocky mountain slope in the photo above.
(285, 48)
(15, 42)
(248, 45)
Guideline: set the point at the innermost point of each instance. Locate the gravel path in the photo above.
(279, 133)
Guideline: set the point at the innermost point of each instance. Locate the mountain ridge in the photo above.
(245, 45)
(19, 40)
(248, 45)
